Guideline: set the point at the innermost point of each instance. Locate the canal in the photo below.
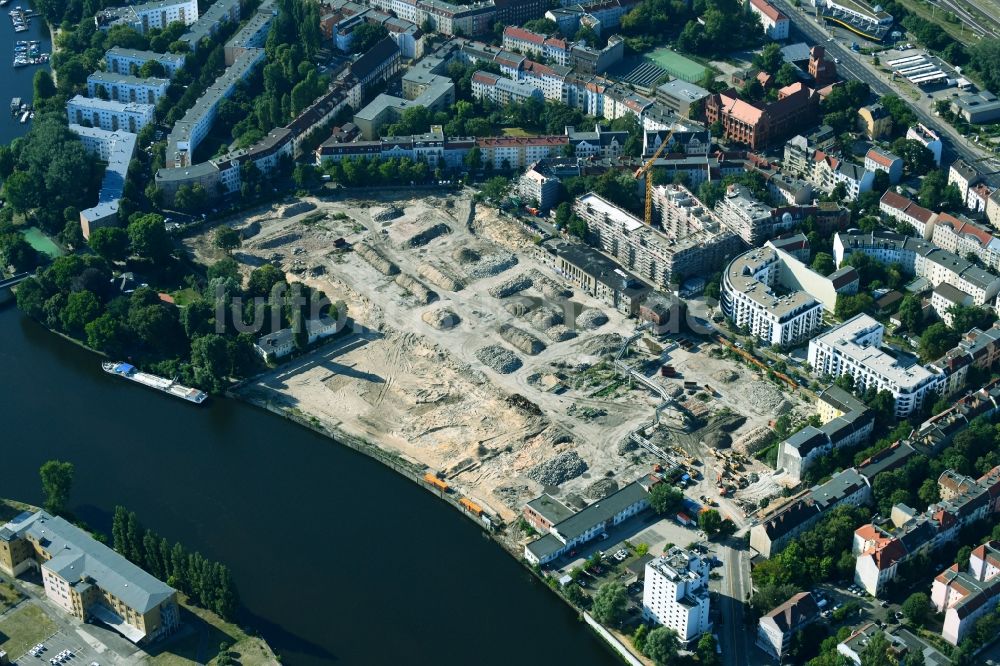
(337, 559)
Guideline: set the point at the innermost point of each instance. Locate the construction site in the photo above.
(474, 360)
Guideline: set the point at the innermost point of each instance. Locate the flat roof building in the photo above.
(675, 593)
(116, 149)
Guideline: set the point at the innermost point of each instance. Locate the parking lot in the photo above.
(62, 648)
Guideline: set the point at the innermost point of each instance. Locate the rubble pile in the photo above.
(521, 339)
(500, 359)
(558, 470)
(378, 261)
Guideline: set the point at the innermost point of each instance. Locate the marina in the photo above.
(21, 19)
(29, 53)
(128, 371)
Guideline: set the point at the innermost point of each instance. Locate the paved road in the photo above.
(851, 66)
(736, 638)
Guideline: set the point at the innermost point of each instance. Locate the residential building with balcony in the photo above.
(966, 594)
(774, 22)
(130, 61)
(146, 16)
(108, 115)
(126, 88)
(116, 149)
(675, 593)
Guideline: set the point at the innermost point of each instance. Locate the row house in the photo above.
(536, 44)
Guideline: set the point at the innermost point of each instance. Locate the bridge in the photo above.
(5, 286)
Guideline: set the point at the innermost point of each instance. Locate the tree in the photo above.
(787, 75)
(710, 522)
(964, 318)
(149, 238)
(17, 252)
(82, 307)
(769, 59)
(916, 608)
(876, 652)
(105, 333)
(910, 312)
(495, 189)
(43, 85)
(610, 603)
(823, 263)
(212, 360)
(917, 159)
(707, 655)
(366, 36)
(936, 340)
(111, 243)
(666, 499)
(849, 305)
(662, 645)
(936, 194)
(227, 239)
(57, 481)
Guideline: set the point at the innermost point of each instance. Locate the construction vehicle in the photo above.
(645, 169)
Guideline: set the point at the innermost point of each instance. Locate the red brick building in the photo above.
(757, 125)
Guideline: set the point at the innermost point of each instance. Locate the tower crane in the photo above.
(644, 171)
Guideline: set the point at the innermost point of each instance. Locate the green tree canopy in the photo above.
(666, 499)
(57, 482)
(111, 243)
(610, 603)
(662, 646)
(149, 238)
(936, 340)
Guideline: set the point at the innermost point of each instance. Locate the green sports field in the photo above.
(677, 65)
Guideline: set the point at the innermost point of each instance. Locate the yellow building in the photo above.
(87, 579)
(835, 402)
(875, 121)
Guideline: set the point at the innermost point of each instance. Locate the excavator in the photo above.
(644, 171)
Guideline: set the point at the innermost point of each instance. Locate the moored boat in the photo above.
(129, 371)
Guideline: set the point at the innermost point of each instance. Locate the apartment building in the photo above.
(750, 299)
(601, 16)
(922, 259)
(829, 171)
(601, 142)
(146, 16)
(854, 348)
(945, 296)
(781, 523)
(845, 421)
(126, 88)
(877, 159)
(675, 593)
(901, 209)
(251, 36)
(758, 125)
(117, 150)
(217, 15)
(501, 90)
(517, 152)
(963, 176)
(881, 549)
(965, 595)
(684, 140)
(927, 138)
(962, 236)
(130, 61)
(108, 115)
(536, 44)
(653, 255)
(774, 22)
(88, 580)
(777, 628)
(875, 121)
(747, 217)
(590, 522)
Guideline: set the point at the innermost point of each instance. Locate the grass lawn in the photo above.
(206, 631)
(9, 596)
(23, 628)
(515, 131)
(185, 297)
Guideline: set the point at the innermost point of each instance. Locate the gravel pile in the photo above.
(521, 339)
(559, 333)
(500, 359)
(600, 489)
(425, 236)
(512, 496)
(718, 440)
(726, 376)
(386, 214)
(441, 319)
(376, 259)
(558, 470)
(297, 209)
(545, 318)
(592, 319)
(510, 287)
(278, 241)
(464, 255)
(439, 278)
(602, 345)
(765, 397)
(548, 286)
(492, 264)
(415, 287)
(627, 445)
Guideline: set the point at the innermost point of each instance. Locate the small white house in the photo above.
(281, 343)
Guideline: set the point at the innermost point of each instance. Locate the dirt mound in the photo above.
(521, 339)
(439, 278)
(510, 287)
(415, 287)
(442, 318)
(592, 319)
(425, 236)
(600, 489)
(374, 257)
(491, 264)
(560, 333)
(464, 255)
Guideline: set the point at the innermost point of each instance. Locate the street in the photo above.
(736, 638)
(954, 145)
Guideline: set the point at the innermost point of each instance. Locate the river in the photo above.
(337, 559)
(17, 81)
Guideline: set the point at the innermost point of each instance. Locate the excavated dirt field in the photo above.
(426, 372)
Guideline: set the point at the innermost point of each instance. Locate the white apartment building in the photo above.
(116, 149)
(155, 15)
(129, 61)
(501, 90)
(829, 171)
(877, 159)
(854, 348)
(775, 23)
(536, 44)
(965, 596)
(928, 139)
(964, 237)
(749, 299)
(126, 88)
(111, 116)
(902, 209)
(675, 593)
(747, 217)
(776, 629)
(517, 152)
(922, 259)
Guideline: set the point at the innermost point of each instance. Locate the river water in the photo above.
(17, 82)
(337, 559)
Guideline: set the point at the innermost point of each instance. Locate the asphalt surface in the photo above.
(736, 638)
(802, 29)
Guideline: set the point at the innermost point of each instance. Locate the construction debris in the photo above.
(386, 214)
(415, 287)
(441, 319)
(592, 319)
(558, 470)
(425, 236)
(499, 358)
(375, 257)
(491, 264)
(439, 278)
(510, 287)
(521, 339)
